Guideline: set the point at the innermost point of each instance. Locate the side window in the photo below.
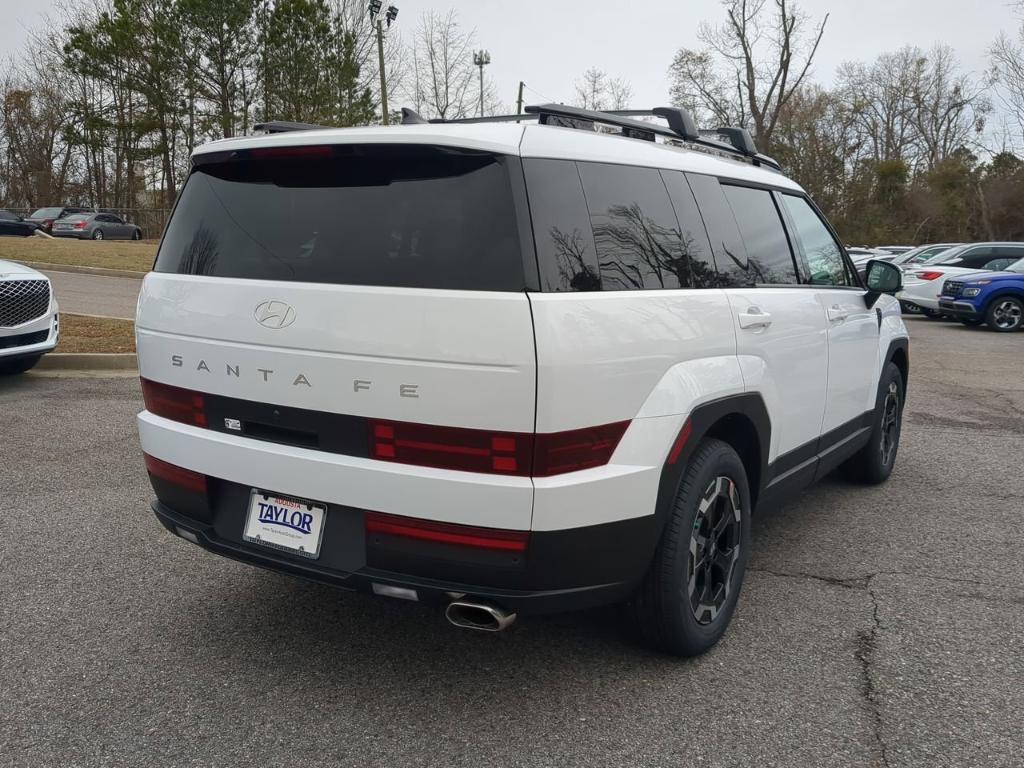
(1011, 252)
(820, 250)
(769, 259)
(726, 243)
(976, 258)
(561, 227)
(635, 227)
(997, 265)
(697, 269)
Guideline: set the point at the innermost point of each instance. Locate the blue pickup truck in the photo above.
(993, 298)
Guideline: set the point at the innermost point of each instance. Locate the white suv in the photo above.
(29, 322)
(508, 368)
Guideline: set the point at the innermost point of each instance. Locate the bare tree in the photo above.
(1008, 73)
(596, 90)
(750, 66)
(444, 80)
(353, 17)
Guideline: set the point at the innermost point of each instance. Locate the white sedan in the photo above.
(922, 283)
(29, 324)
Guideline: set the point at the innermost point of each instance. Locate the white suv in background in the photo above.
(508, 368)
(29, 323)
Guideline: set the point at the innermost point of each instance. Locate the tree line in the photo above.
(105, 107)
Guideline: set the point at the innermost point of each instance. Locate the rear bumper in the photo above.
(960, 309)
(918, 299)
(430, 579)
(80, 234)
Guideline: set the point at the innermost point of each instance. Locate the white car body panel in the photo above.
(925, 293)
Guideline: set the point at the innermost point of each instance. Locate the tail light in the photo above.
(278, 153)
(503, 453)
(446, 533)
(179, 476)
(928, 275)
(80, 225)
(174, 403)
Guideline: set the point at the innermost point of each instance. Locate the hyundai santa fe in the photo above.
(509, 368)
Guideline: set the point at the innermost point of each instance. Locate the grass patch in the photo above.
(81, 333)
(110, 254)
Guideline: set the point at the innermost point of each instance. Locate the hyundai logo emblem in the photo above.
(274, 314)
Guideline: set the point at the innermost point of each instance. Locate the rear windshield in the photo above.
(417, 217)
(46, 213)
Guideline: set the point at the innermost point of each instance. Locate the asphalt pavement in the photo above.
(878, 626)
(95, 294)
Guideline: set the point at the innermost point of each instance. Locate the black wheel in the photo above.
(137, 235)
(1005, 314)
(971, 321)
(873, 463)
(97, 234)
(909, 309)
(689, 593)
(22, 364)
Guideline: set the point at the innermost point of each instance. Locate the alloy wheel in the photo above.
(714, 549)
(1007, 315)
(890, 423)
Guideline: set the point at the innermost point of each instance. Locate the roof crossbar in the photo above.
(281, 126)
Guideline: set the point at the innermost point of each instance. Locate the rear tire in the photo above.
(873, 463)
(1005, 314)
(97, 234)
(22, 364)
(688, 596)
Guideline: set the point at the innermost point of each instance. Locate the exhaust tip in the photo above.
(481, 616)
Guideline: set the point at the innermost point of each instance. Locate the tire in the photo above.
(873, 463)
(931, 314)
(22, 364)
(973, 322)
(137, 235)
(667, 610)
(97, 234)
(1005, 314)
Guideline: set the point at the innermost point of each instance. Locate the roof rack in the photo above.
(281, 126)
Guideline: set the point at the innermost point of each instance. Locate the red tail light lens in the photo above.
(928, 275)
(446, 533)
(560, 452)
(80, 225)
(184, 478)
(470, 450)
(174, 403)
(503, 453)
(275, 153)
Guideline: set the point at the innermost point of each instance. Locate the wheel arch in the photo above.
(899, 354)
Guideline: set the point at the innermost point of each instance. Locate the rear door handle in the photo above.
(837, 313)
(754, 319)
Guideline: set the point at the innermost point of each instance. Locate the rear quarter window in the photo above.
(396, 216)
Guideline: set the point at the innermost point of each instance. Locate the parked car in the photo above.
(582, 434)
(922, 253)
(923, 283)
(862, 256)
(96, 226)
(896, 250)
(29, 321)
(993, 298)
(13, 225)
(45, 217)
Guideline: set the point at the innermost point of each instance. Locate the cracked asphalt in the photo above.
(877, 627)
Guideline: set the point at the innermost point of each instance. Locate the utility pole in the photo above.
(519, 101)
(390, 16)
(481, 59)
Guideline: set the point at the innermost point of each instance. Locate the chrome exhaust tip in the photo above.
(483, 616)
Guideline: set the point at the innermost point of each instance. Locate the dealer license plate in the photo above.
(287, 524)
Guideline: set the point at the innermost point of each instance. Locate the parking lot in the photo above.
(878, 627)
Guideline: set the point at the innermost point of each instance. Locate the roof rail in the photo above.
(681, 127)
(486, 119)
(281, 126)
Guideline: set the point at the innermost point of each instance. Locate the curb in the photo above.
(88, 361)
(75, 268)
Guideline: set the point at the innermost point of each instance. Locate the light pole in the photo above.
(390, 15)
(481, 59)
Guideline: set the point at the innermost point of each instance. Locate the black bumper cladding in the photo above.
(958, 309)
(560, 570)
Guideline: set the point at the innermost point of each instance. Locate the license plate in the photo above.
(288, 524)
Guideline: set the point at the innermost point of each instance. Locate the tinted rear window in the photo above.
(417, 217)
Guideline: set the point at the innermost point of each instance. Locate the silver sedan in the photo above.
(96, 226)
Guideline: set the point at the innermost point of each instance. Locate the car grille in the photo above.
(952, 288)
(23, 339)
(22, 301)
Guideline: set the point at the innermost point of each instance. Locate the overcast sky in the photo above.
(549, 43)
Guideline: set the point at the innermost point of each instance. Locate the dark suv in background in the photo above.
(12, 225)
(44, 217)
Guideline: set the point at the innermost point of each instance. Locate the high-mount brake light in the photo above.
(928, 275)
(277, 153)
(179, 476)
(502, 453)
(446, 533)
(174, 403)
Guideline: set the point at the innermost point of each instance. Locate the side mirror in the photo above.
(882, 277)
